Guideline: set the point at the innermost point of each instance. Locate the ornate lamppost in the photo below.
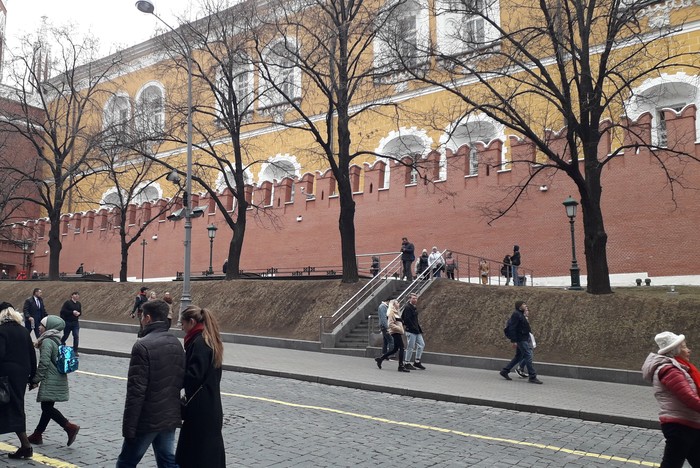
(211, 231)
(571, 206)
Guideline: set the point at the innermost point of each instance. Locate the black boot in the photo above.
(403, 369)
(22, 452)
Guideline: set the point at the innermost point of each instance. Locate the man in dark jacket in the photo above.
(518, 331)
(414, 333)
(34, 311)
(407, 258)
(152, 407)
(70, 312)
(136, 311)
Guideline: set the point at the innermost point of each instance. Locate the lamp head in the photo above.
(211, 230)
(146, 6)
(173, 177)
(570, 204)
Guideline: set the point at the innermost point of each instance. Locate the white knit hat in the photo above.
(668, 341)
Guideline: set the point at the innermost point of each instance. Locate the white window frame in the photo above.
(383, 54)
(151, 117)
(452, 21)
(122, 121)
(290, 74)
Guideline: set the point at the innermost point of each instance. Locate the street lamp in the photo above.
(147, 6)
(211, 230)
(571, 206)
(25, 247)
(143, 258)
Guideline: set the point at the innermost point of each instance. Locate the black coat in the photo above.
(201, 442)
(18, 362)
(156, 373)
(519, 326)
(30, 309)
(410, 319)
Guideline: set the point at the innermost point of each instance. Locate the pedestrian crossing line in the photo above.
(48, 461)
(446, 431)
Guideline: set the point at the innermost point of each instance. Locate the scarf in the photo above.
(693, 371)
(48, 334)
(194, 331)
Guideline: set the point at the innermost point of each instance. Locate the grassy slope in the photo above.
(607, 331)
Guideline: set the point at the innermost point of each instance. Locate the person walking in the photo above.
(422, 264)
(676, 385)
(435, 262)
(53, 386)
(414, 334)
(80, 270)
(515, 262)
(518, 331)
(484, 271)
(507, 269)
(450, 265)
(18, 366)
(169, 300)
(34, 311)
(407, 258)
(137, 310)
(384, 325)
(397, 331)
(152, 407)
(201, 442)
(70, 313)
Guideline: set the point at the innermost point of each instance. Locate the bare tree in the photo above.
(56, 118)
(327, 44)
(570, 64)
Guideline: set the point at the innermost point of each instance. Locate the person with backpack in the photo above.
(53, 385)
(517, 330)
(515, 261)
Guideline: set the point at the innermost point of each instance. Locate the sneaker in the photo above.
(418, 365)
(403, 369)
(521, 372)
(505, 375)
(379, 362)
(409, 367)
(535, 380)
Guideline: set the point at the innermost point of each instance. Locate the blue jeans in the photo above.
(134, 449)
(516, 278)
(73, 327)
(523, 353)
(414, 339)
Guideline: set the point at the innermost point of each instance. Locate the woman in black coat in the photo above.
(201, 442)
(18, 363)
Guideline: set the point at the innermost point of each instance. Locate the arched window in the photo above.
(110, 199)
(150, 109)
(462, 26)
(278, 168)
(146, 192)
(405, 36)
(117, 114)
(476, 128)
(235, 85)
(226, 179)
(667, 92)
(284, 80)
(406, 142)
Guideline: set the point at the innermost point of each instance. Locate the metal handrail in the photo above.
(494, 269)
(420, 284)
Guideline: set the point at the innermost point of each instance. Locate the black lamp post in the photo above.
(571, 206)
(143, 258)
(211, 230)
(25, 247)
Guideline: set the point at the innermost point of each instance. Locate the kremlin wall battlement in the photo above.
(648, 229)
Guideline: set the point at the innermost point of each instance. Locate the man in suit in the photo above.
(34, 311)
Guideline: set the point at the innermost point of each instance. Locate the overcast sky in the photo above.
(114, 22)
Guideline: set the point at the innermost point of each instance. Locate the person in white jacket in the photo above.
(436, 262)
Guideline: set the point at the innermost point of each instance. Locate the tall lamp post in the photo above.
(143, 258)
(211, 231)
(25, 248)
(571, 206)
(147, 6)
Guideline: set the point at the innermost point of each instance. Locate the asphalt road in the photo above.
(272, 421)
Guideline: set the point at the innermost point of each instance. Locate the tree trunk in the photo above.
(346, 224)
(124, 266)
(595, 238)
(55, 247)
(233, 269)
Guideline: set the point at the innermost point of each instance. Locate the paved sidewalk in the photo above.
(631, 405)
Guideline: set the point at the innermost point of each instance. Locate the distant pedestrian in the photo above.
(35, 275)
(137, 310)
(152, 296)
(71, 311)
(414, 334)
(384, 326)
(80, 270)
(152, 407)
(18, 365)
(435, 262)
(224, 267)
(169, 300)
(201, 443)
(374, 267)
(407, 258)
(422, 263)
(484, 271)
(515, 261)
(450, 265)
(397, 331)
(676, 385)
(507, 269)
(4, 275)
(53, 386)
(34, 311)
(518, 331)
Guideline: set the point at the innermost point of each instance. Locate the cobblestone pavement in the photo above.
(278, 422)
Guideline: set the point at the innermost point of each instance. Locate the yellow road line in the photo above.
(39, 458)
(446, 431)
(424, 427)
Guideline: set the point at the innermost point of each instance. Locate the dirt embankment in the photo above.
(575, 328)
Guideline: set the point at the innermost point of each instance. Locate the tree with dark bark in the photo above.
(55, 116)
(538, 67)
(327, 44)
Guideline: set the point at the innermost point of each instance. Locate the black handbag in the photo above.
(4, 390)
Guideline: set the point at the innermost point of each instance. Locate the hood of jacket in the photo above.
(54, 322)
(652, 363)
